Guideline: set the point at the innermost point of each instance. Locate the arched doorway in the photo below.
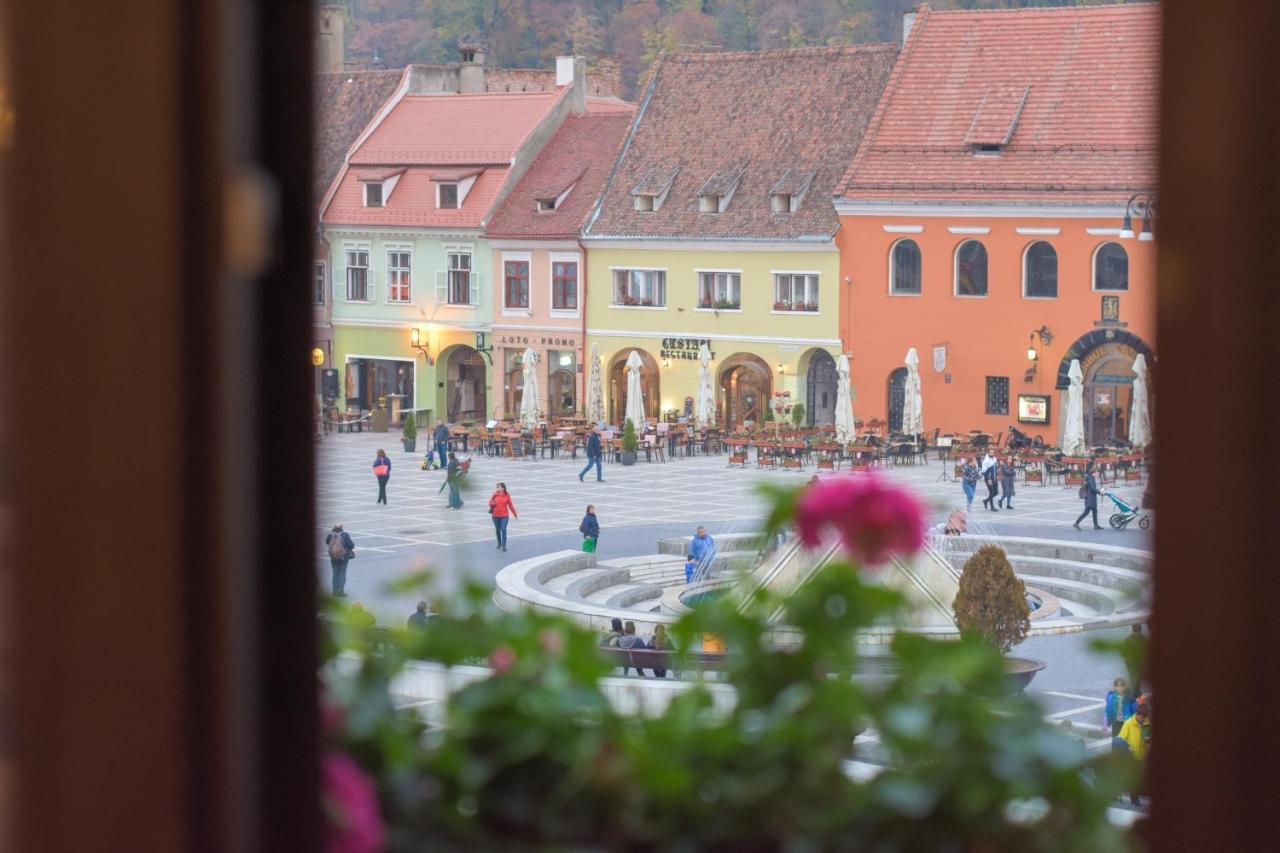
(463, 373)
(897, 398)
(562, 395)
(1106, 358)
(746, 389)
(821, 382)
(649, 385)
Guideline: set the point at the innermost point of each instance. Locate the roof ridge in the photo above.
(1082, 7)
(868, 47)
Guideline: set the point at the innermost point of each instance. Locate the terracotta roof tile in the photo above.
(1072, 91)
(413, 201)
(773, 112)
(579, 156)
(346, 101)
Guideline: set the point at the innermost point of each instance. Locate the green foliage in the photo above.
(630, 443)
(797, 414)
(534, 756)
(991, 602)
(410, 429)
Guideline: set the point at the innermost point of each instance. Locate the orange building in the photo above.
(981, 219)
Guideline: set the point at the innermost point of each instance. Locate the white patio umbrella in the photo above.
(1073, 427)
(635, 396)
(1139, 409)
(706, 408)
(529, 414)
(595, 388)
(845, 428)
(912, 404)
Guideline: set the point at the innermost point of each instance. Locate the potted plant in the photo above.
(991, 602)
(630, 443)
(409, 436)
(779, 306)
(797, 414)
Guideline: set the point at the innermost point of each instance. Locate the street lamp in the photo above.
(1143, 205)
(415, 341)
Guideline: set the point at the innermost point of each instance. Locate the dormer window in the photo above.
(546, 205)
(717, 191)
(783, 203)
(448, 196)
(786, 195)
(373, 195)
(996, 119)
(988, 148)
(377, 185)
(652, 190)
(550, 197)
(709, 204)
(645, 203)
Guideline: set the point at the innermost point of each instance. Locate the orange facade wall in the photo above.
(985, 336)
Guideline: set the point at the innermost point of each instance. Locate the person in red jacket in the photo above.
(502, 510)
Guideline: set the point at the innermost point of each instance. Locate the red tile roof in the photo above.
(769, 112)
(1073, 91)
(579, 155)
(413, 201)
(346, 101)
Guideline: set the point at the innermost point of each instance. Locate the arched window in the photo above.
(904, 267)
(1040, 271)
(971, 269)
(1111, 267)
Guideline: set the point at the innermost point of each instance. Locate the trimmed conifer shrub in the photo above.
(991, 601)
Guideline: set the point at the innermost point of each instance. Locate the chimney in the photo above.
(908, 21)
(331, 39)
(471, 66)
(571, 71)
(564, 70)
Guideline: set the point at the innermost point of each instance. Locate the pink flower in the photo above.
(351, 804)
(501, 659)
(874, 518)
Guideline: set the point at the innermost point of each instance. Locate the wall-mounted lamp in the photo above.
(1032, 355)
(1143, 205)
(416, 342)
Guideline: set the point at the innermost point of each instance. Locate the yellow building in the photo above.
(717, 226)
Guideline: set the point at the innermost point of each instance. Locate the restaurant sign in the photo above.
(687, 348)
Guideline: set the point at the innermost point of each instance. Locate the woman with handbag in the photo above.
(502, 510)
(590, 530)
(382, 470)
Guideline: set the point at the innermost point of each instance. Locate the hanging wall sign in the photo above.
(939, 358)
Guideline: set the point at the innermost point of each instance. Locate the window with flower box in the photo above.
(795, 291)
(634, 288)
(719, 290)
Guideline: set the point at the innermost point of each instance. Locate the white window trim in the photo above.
(387, 249)
(515, 310)
(370, 289)
(818, 284)
(327, 285)
(968, 229)
(459, 248)
(1025, 250)
(955, 273)
(613, 304)
(697, 274)
(892, 248)
(1093, 268)
(1038, 232)
(554, 258)
(904, 229)
(364, 193)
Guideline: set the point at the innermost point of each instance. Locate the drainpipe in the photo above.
(583, 307)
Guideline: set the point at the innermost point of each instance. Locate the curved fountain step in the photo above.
(1104, 602)
(633, 595)
(1127, 581)
(560, 583)
(1112, 556)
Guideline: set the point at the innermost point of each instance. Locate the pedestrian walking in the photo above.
(969, 483)
(1135, 739)
(1089, 491)
(341, 550)
(1007, 476)
(1120, 706)
(595, 453)
(440, 436)
(502, 510)
(382, 470)
(590, 530)
(453, 481)
(991, 477)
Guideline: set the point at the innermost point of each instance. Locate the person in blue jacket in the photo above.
(1120, 706)
(594, 454)
(382, 470)
(702, 548)
(590, 529)
(440, 435)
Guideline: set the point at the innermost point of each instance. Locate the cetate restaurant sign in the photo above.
(684, 347)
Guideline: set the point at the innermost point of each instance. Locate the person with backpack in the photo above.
(382, 470)
(595, 454)
(503, 510)
(590, 530)
(1089, 491)
(341, 550)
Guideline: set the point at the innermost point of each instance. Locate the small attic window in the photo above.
(988, 148)
(545, 205)
(373, 194)
(709, 204)
(447, 196)
(644, 202)
(784, 202)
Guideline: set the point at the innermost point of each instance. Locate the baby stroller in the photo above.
(1124, 514)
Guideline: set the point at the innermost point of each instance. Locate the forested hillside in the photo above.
(530, 33)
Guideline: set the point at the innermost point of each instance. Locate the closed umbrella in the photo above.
(845, 429)
(912, 404)
(1140, 410)
(529, 414)
(706, 410)
(1073, 428)
(635, 396)
(595, 388)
